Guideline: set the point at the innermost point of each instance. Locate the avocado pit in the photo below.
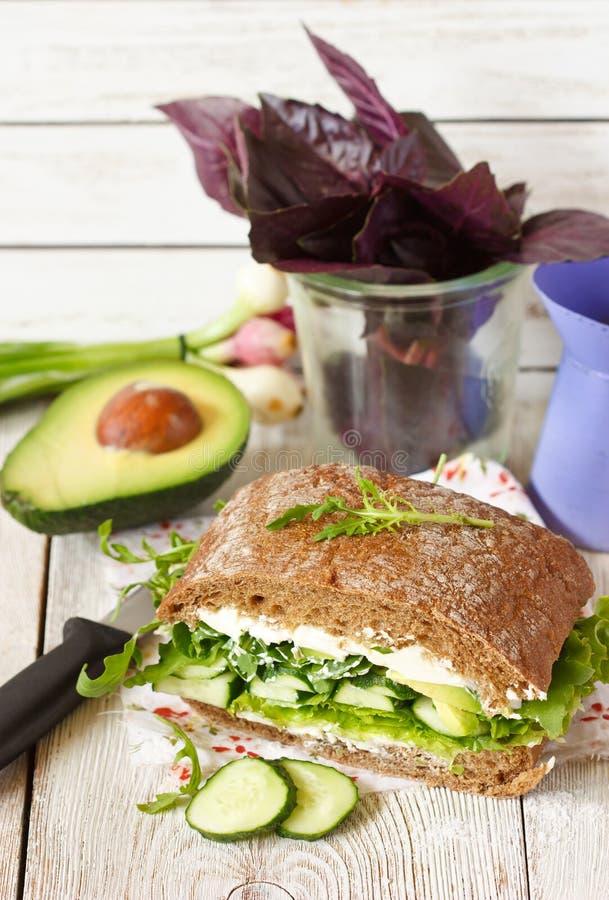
(148, 418)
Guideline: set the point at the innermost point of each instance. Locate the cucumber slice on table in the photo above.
(324, 797)
(243, 797)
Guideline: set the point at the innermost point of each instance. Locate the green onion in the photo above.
(41, 367)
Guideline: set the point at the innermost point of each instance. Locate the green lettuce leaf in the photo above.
(584, 660)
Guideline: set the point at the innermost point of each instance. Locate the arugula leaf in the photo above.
(163, 802)
(115, 667)
(439, 467)
(381, 511)
(295, 514)
(169, 565)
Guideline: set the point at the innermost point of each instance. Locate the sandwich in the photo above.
(385, 623)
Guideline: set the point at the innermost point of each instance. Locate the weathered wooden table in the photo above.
(105, 234)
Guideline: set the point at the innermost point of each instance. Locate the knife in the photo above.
(37, 698)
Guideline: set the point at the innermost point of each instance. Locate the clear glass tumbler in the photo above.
(398, 374)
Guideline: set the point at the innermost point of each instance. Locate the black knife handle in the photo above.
(40, 696)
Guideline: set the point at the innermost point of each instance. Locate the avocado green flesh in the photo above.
(60, 479)
(447, 693)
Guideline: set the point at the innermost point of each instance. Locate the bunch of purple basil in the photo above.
(379, 198)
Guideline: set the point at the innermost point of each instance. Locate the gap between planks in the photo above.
(22, 599)
(128, 292)
(468, 59)
(137, 186)
(163, 123)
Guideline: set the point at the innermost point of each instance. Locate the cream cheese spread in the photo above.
(413, 662)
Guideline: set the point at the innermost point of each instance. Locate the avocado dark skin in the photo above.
(137, 444)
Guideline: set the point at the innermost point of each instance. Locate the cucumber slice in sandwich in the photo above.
(240, 799)
(367, 698)
(218, 691)
(386, 686)
(324, 797)
(197, 670)
(281, 689)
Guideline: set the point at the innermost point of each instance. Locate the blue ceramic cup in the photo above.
(570, 475)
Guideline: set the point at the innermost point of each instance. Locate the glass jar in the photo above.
(398, 374)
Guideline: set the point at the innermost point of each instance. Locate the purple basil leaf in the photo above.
(268, 187)
(284, 170)
(335, 242)
(441, 164)
(395, 234)
(209, 125)
(404, 157)
(561, 235)
(473, 209)
(250, 118)
(419, 245)
(274, 234)
(380, 120)
(516, 196)
(341, 144)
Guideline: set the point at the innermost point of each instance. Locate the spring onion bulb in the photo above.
(274, 395)
(261, 291)
(257, 342)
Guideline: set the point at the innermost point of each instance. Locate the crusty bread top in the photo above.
(497, 602)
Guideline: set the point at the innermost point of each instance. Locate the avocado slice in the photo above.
(447, 693)
(446, 719)
(457, 721)
(60, 478)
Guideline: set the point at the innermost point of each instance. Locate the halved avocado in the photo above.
(61, 477)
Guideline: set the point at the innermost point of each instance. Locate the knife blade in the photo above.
(37, 698)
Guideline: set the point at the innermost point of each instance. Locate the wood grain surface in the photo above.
(92, 61)
(111, 185)
(109, 295)
(22, 599)
(105, 234)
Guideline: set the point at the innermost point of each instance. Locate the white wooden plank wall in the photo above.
(455, 59)
(105, 234)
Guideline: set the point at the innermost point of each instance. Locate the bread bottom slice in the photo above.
(492, 773)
